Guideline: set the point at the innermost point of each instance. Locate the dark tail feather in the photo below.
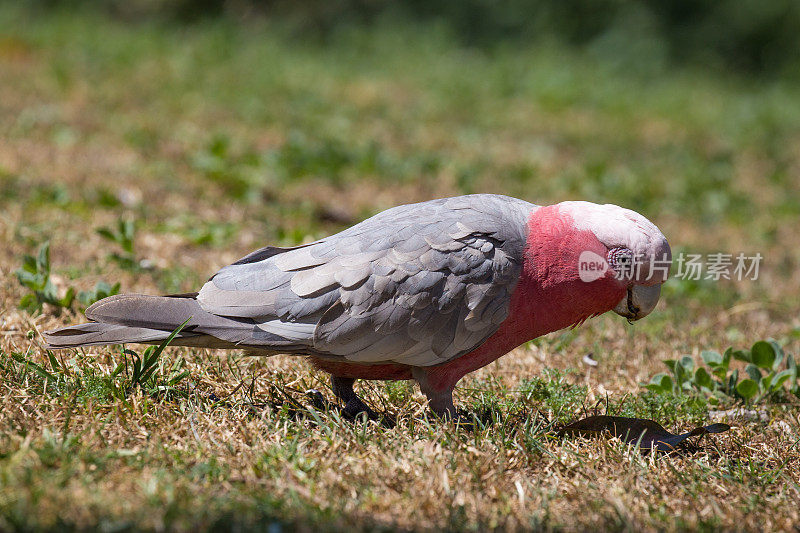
(134, 318)
(96, 334)
(152, 312)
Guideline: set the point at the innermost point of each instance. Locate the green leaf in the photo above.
(120, 367)
(178, 377)
(763, 355)
(36, 368)
(106, 234)
(747, 388)
(125, 227)
(680, 375)
(732, 380)
(49, 293)
(670, 363)
(30, 303)
(703, 379)
(43, 259)
(781, 378)
(779, 353)
(720, 396)
(68, 298)
(53, 361)
(101, 290)
(753, 372)
(660, 383)
(29, 264)
(721, 370)
(726, 357)
(145, 366)
(711, 358)
(742, 355)
(687, 363)
(27, 279)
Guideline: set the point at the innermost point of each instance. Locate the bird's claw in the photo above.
(352, 411)
(355, 409)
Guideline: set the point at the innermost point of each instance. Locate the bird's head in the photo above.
(632, 253)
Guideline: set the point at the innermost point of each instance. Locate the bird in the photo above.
(428, 291)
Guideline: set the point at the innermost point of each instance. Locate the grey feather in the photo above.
(308, 282)
(418, 284)
(348, 279)
(94, 334)
(236, 303)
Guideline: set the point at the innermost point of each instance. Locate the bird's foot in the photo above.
(442, 407)
(318, 400)
(353, 410)
(440, 398)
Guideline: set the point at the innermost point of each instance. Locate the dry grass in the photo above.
(101, 121)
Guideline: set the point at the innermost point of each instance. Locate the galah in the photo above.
(429, 291)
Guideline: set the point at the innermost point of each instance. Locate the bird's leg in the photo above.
(353, 406)
(440, 399)
(441, 404)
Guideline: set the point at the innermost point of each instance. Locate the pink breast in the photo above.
(549, 296)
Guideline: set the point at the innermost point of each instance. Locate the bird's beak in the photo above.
(639, 301)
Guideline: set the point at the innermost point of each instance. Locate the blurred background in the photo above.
(151, 142)
(215, 126)
(649, 35)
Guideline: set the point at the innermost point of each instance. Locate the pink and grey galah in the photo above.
(429, 291)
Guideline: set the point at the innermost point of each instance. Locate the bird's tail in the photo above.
(134, 318)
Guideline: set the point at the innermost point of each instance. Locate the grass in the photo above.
(217, 138)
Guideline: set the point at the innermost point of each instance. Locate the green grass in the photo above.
(220, 137)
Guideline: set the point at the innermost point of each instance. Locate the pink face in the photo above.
(586, 259)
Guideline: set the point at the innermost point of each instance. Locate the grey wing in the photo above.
(417, 285)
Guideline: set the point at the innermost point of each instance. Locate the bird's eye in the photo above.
(621, 260)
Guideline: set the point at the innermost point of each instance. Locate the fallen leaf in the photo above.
(650, 435)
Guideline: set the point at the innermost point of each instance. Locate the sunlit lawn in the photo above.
(218, 138)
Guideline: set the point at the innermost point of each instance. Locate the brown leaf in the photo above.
(650, 435)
